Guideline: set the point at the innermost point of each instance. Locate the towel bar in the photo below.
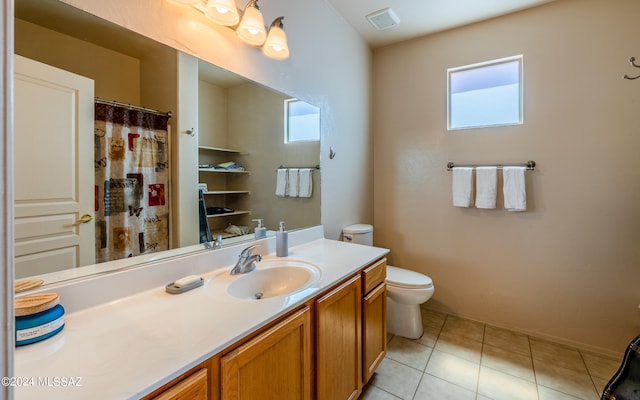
(530, 165)
(312, 167)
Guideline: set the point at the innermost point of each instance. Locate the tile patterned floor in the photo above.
(460, 359)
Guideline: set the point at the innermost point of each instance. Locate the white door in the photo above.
(53, 169)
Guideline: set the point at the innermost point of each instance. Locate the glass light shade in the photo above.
(251, 29)
(223, 12)
(276, 44)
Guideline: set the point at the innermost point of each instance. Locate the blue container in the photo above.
(39, 326)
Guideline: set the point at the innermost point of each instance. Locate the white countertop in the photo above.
(129, 346)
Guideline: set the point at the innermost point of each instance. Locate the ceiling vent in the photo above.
(383, 19)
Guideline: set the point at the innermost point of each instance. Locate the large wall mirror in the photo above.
(238, 137)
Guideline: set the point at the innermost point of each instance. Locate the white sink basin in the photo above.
(273, 278)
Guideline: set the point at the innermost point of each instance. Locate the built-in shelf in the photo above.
(224, 171)
(225, 235)
(227, 214)
(227, 192)
(220, 179)
(220, 149)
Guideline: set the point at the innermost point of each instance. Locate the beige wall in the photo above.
(335, 77)
(568, 267)
(212, 115)
(116, 76)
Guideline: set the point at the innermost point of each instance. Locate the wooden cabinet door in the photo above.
(194, 387)
(374, 330)
(275, 365)
(339, 343)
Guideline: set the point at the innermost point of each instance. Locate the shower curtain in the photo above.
(131, 182)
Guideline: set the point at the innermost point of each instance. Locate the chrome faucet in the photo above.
(215, 244)
(246, 261)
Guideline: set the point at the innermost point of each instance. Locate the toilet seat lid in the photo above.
(407, 279)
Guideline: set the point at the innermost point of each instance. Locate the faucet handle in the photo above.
(247, 252)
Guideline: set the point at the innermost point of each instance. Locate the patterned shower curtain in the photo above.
(132, 179)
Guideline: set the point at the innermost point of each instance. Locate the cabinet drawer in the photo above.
(374, 275)
(193, 387)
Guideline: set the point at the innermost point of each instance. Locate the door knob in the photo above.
(84, 219)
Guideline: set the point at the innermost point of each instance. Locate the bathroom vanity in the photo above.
(321, 340)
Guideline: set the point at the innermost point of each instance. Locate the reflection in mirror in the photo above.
(238, 133)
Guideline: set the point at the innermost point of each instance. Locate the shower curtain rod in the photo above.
(132, 107)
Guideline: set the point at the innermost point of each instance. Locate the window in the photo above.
(301, 121)
(485, 94)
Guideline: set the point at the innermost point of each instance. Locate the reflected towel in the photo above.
(292, 185)
(281, 182)
(486, 187)
(462, 185)
(513, 188)
(305, 182)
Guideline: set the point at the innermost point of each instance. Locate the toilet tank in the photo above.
(358, 233)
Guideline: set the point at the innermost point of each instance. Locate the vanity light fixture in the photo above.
(251, 29)
(249, 25)
(222, 12)
(276, 44)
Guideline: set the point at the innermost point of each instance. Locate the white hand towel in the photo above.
(305, 182)
(292, 187)
(462, 185)
(486, 187)
(281, 182)
(513, 188)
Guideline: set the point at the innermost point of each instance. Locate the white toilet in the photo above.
(406, 289)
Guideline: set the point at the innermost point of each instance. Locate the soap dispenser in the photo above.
(282, 241)
(260, 231)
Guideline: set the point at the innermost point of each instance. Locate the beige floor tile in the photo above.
(433, 388)
(463, 328)
(453, 369)
(408, 352)
(556, 354)
(508, 340)
(397, 379)
(429, 337)
(500, 386)
(545, 393)
(601, 366)
(509, 362)
(468, 360)
(461, 347)
(432, 319)
(554, 376)
(370, 392)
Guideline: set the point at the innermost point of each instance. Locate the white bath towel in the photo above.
(281, 182)
(305, 182)
(486, 187)
(292, 184)
(513, 188)
(462, 185)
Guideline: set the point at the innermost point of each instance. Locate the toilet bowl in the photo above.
(406, 289)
